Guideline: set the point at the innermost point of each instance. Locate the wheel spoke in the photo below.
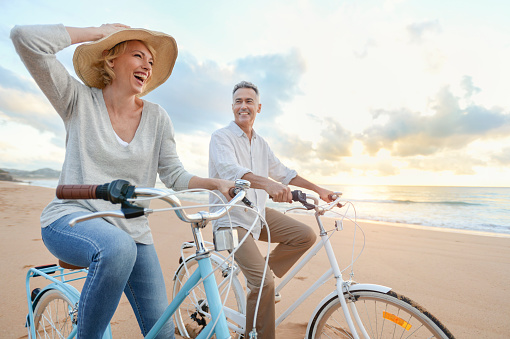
(382, 316)
(52, 315)
(194, 312)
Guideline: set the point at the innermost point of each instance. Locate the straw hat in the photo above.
(86, 55)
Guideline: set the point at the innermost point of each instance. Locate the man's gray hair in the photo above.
(245, 84)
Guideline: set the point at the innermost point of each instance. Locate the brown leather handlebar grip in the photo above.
(76, 192)
(232, 192)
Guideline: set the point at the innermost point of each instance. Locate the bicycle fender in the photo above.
(368, 287)
(352, 288)
(68, 290)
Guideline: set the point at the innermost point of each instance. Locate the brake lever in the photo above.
(117, 214)
(295, 208)
(241, 185)
(299, 196)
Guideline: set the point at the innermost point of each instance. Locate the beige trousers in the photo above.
(294, 239)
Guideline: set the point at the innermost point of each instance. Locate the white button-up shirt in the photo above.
(231, 155)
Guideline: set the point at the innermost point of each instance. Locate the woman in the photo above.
(110, 134)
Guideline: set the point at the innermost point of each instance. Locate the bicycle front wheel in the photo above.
(53, 315)
(193, 314)
(383, 315)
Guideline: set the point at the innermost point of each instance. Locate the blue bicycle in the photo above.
(53, 309)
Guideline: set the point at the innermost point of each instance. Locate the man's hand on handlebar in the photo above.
(327, 195)
(279, 192)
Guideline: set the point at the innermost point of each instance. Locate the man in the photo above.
(237, 152)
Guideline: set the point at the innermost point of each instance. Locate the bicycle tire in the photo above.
(53, 315)
(384, 315)
(190, 317)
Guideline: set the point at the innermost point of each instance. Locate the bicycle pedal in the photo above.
(277, 298)
(188, 244)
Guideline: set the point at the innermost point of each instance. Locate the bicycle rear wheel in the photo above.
(193, 314)
(384, 315)
(53, 315)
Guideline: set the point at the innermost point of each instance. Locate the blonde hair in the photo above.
(102, 65)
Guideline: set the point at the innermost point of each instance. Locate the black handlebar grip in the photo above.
(76, 191)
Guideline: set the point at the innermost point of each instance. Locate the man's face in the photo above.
(245, 107)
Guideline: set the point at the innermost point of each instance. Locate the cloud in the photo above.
(292, 147)
(22, 102)
(406, 133)
(277, 77)
(456, 162)
(12, 80)
(418, 32)
(335, 141)
(362, 51)
(334, 144)
(198, 95)
(502, 158)
(32, 110)
(467, 85)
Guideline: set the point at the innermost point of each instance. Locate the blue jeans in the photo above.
(116, 264)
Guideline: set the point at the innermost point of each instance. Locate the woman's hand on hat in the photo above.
(107, 29)
(86, 34)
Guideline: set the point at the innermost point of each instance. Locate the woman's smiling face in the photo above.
(133, 68)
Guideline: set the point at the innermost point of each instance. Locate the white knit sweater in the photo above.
(93, 155)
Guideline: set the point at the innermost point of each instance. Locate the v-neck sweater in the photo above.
(93, 154)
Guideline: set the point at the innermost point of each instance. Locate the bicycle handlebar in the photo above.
(301, 197)
(120, 191)
(115, 192)
(77, 191)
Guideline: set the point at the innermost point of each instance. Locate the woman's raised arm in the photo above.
(85, 34)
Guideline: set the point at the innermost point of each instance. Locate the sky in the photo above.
(389, 92)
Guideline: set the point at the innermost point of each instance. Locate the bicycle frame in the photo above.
(218, 320)
(334, 271)
(218, 324)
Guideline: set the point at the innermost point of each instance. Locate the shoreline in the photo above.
(437, 229)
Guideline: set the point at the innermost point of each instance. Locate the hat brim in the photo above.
(86, 55)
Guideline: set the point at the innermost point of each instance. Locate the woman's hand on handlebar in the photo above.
(224, 186)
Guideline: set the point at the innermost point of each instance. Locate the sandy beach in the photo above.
(461, 278)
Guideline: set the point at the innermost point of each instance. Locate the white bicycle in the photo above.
(351, 310)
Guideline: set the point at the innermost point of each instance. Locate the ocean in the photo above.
(480, 209)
